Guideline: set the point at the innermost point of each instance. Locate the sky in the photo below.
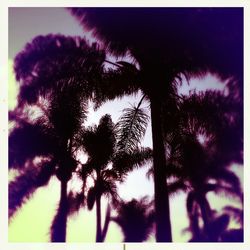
(25, 24)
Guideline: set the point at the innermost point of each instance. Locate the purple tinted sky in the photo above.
(26, 23)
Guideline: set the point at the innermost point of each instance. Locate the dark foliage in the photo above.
(189, 41)
(131, 128)
(31, 178)
(54, 61)
(199, 167)
(136, 219)
(213, 36)
(27, 141)
(107, 164)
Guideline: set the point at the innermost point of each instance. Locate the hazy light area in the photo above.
(32, 222)
(209, 81)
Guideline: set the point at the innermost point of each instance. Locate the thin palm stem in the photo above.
(98, 210)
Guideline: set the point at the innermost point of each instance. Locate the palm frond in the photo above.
(28, 141)
(135, 219)
(227, 191)
(131, 128)
(85, 170)
(76, 201)
(177, 186)
(30, 179)
(51, 61)
(132, 28)
(115, 83)
(99, 142)
(124, 162)
(228, 178)
(67, 111)
(235, 213)
(108, 188)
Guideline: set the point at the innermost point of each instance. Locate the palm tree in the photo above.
(200, 167)
(135, 218)
(99, 143)
(54, 132)
(189, 41)
(108, 162)
(42, 70)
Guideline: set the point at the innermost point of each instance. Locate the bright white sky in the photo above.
(25, 24)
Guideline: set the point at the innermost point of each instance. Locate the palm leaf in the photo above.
(27, 141)
(124, 162)
(177, 186)
(76, 202)
(52, 61)
(135, 219)
(31, 178)
(99, 142)
(131, 128)
(115, 83)
(236, 213)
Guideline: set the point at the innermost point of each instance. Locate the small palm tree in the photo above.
(202, 166)
(108, 164)
(54, 132)
(135, 218)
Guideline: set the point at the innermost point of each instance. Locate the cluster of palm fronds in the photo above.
(195, 137)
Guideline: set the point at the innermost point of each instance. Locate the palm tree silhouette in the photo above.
(47, 70)
(136, 218)
(54, 131)
(189, 41)
(99, 142)
(200, 167)
(109, 163)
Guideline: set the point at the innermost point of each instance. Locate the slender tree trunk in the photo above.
(205, 210)
(106, 223)
(206, 214)
(194, 224)
(98, 211)
(59, 225)
(163, 224)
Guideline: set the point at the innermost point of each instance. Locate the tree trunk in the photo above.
(106, 223)
(163, 224)
(205, 210)
(59, 225)
(98, 211)
(206, 214)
